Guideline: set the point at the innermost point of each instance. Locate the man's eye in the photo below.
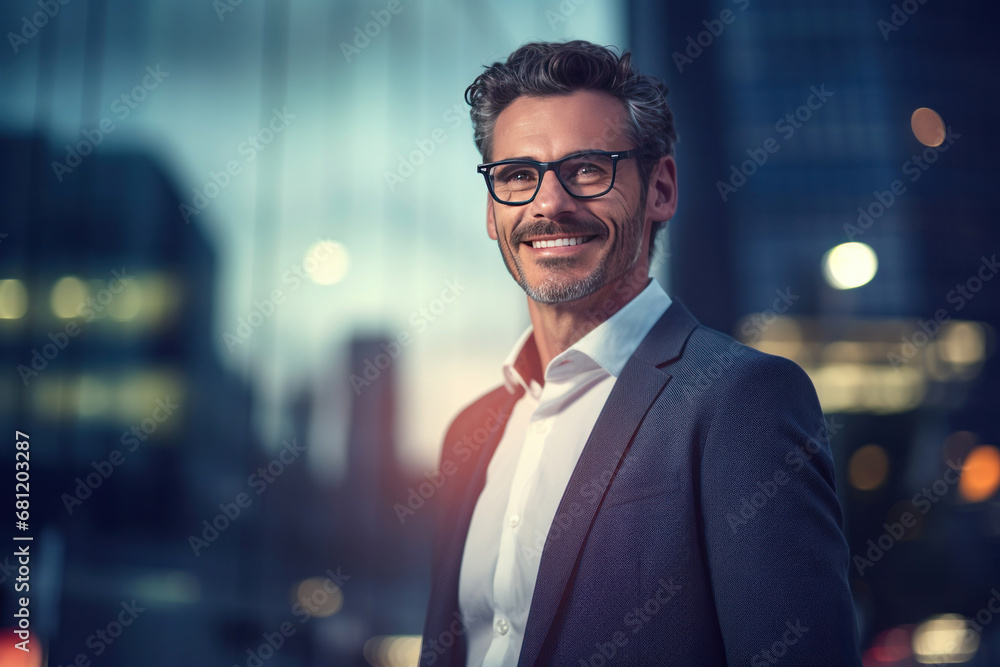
(587, 171)
(513, 176)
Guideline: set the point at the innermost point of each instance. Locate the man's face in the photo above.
(614, 228)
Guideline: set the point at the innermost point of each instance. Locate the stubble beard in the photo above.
(553, 289)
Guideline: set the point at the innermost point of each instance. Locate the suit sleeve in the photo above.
(778, 559)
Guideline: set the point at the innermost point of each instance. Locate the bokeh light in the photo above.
(868, 468)
(890, 646)
(927, 127)
(68, 294)
(944, 639)
(13, 299)
(962, 343)
(393, 651)
(320, 596)
(849, 265)
(11, 656)
(326, 262)
(128, 303)
(93, 396)
(980, 474)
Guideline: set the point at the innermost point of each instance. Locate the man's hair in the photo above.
(551, 68)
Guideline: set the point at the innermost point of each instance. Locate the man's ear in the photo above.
(491, 223)
(661, 197)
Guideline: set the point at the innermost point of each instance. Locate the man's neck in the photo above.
(558, 326)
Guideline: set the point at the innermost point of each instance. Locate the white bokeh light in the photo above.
(849, 265)
(326, 262)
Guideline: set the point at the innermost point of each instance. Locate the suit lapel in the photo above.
(633, 394)
(477, 480)
(455, 520)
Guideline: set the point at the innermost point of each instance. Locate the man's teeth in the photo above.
(555, 243)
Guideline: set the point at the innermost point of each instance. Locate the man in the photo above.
(641, 489)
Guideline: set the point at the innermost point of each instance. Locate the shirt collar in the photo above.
(522, 366)
(610, 344)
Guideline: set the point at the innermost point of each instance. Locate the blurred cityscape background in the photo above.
(245, 284)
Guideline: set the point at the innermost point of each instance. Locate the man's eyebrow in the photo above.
(529, 158)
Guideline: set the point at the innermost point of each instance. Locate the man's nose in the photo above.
(552, 198)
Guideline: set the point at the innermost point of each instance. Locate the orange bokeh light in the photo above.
(11, 656)
(980, 474)
(927, 127)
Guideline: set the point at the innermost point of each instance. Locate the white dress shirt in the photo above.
(529, 471)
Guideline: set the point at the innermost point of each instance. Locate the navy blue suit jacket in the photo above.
(700, 526)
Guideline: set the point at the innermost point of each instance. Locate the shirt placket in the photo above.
(507, 577)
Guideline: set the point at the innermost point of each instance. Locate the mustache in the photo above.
(550, 228)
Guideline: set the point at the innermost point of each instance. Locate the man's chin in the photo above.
(554, 292)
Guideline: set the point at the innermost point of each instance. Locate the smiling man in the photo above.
(640, 489)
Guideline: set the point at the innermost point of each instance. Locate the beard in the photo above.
(555, 287)
(552, 289)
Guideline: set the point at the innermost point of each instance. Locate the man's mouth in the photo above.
(557, 242)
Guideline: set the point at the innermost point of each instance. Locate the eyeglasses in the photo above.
(584, 175)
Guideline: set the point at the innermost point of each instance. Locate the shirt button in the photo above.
(541, 427)
(502, 626)
(514, 520)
